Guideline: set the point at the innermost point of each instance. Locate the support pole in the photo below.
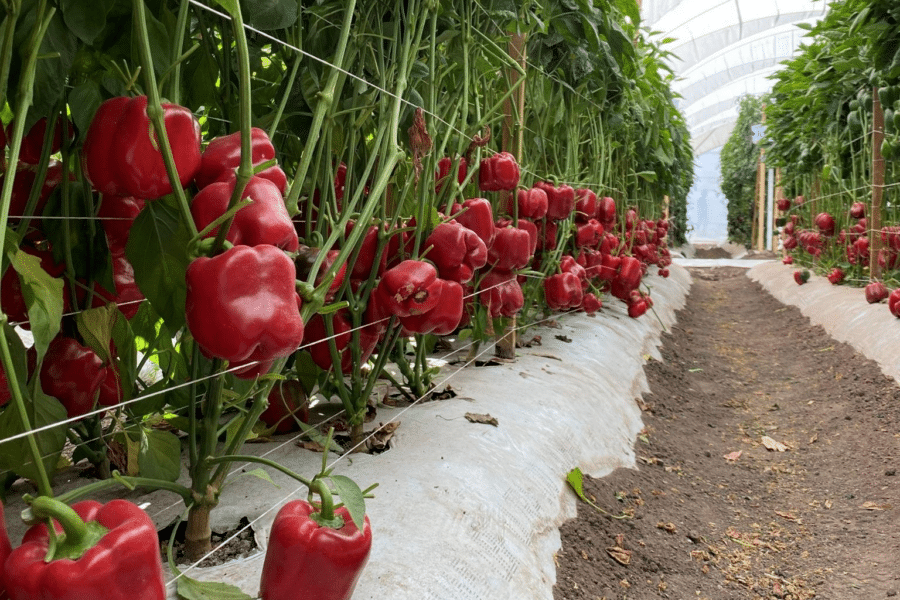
(877, 186)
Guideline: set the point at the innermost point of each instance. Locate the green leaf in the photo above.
(85, 18)
(230, 6)
(95, 326)
(192, 589)
(575, 479)
(157, 249)
(84, 99)
(259, 473)
(43, 296)
(352, 498)
(160, 455)
(267, 15)
(16, 455)
(650, 176)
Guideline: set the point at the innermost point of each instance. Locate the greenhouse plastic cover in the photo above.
(725, 49)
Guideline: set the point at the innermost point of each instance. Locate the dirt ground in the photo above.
(711, 512)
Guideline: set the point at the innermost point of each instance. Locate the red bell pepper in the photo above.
(836, 276)
(108, 551)
(498, 172)
(287, 403)
(11, 298)
(121, 155)
(72, 374)
(116, 215)
(264, 221)
(589, 234)
(876, 292)
(628, 278)
(858, 210)
(609, 267)
(477, 215)
(310, 559)
(560, 200)
(563, 291)
(307, 256)
(444, 318)
(511, 249)
(33, 140)
(315, 340)
(128, 295)
(410, 288)
(501, 293)
(365, 260)
(591, 304)
(894, 302)
(456, 251)
(242, 306)
(637, 308)
(568, 264)
(548, 232)
(532, 204)
(5, 546)
(802, 276)
(443, 172)
(606, 212)
(25, 180)
(586, 205)
(223, 155)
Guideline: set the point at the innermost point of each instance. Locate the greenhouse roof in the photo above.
(725, 49)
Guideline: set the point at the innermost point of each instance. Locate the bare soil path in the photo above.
(769, 467)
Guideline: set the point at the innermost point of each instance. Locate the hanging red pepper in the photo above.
(242, 306)
(628, 278)
(477, 215)
(498, 172)
(563, 291)
(5, 546)
(532, 203)
(121, 155)
(501, 293)
(589, 234)
(560, 200)
(315, 340)
(591, 304)
(365, 260)
(116, 215)
(25, 180)
(72, 374)
(264, 221)
(33, 140)
(307, 256)
(444, 318)
(548, 232)
(456, 251)
(586, 205)
(606, 213)
(444, 166)
(108, 551)
(410, 288)
(311, 557)
(511, 249)
(287, 403)
(223, 155)
(128, 295)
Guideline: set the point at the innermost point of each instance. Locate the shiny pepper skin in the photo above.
(72, 374)
(586, 205)
(532, 204)
(591, 304)
(5, 546)
(589, 234)
(456, 251)
(121, 155)
(223, 155)
(306, 560)
(501, 293)
(443, 172)
(287, 404)
(477, 215)
(498, 172)
(511, 249)
(116, 215)
(560, 200)
(410, 288)
(315, 340)
(242, 306)
(444, 318)
(124, 564)
(563, 291)
(24, 181)
(876, 292)
(894, 303)
(127, 295)
(628, 278)
(264, 221)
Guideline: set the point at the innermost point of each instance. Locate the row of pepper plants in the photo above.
(833, 127)
(212, 213)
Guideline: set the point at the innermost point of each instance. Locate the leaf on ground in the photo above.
(788, 516)
(192, 589)
(620, 555)
(380, 439)
(874, 506)
(773, 445)
(667, 527)
(484, 419)
(733, 456)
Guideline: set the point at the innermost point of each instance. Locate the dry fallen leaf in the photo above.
(788, 516)
(873, 506)
(814, 438)
(620, 555)
(381, 437)
(828, 504)
(620, 539)
(733, 456)
(484, 419)
(771, 444)
(668, 527)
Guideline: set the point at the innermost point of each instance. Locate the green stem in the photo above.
(79, 536)
(180, 29)
(157, 115)
(324, 104)
(230, 458)
(12, 15)
(273, 129)
(130, 483)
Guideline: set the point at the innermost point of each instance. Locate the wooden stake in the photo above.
(513, 142)
(877, 186)
(761, 194)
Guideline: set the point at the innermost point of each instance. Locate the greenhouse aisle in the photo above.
(767, 466)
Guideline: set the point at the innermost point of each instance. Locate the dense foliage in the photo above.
(739, 160)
